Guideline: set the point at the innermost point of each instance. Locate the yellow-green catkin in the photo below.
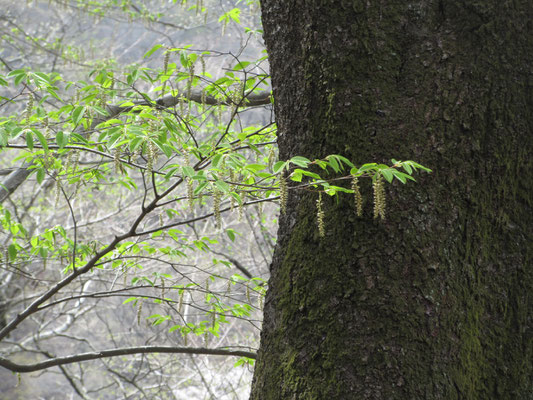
(379, 197)
(102, 97)
(320, 216)
(283, 192)
(125, 272)
(165, 69)
(248, 297)
(219, 112)
(228, 288)
(271, 158)
(162, 288)
(357, 196)
(165, 61)
(182, 106)
(116, 160)
(46, 126)
(242, 195)
(232, 179)
(180, 301)
(29, 108)
(189, 83)
(190, 193)
(139, 311)
(57, 190)
(217, 198)
(151, 156)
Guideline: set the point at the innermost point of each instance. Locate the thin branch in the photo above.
(54, 362)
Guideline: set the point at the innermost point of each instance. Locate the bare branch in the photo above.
(54, 362)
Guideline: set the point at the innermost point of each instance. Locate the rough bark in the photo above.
(435, 302)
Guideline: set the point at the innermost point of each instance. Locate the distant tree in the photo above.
(433, 302)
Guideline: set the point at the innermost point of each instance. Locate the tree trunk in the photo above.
(435, 301)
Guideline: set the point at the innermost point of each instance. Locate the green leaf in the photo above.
(166, 149)
(29, 140)
(300, 161)
(222, 185)
(53, 93)
(387, 174)
(135, 143)
(77, 114)
(152, 50)
(241, 65)
(345, 160)
(231, 234)
(297, 175)
(41, 78)
(40, 175)
(188, 171)
(216, 160)
(171, 126)
(62, 139)
(12, 251)
(407, 168)
(367, 167)
(41, 139)
(334, 163)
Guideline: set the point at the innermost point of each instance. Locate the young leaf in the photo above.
(152, 50)
(300, 161)
(77, 114)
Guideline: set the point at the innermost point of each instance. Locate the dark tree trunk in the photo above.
(434, 302)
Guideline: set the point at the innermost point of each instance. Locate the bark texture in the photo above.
(434, 302)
